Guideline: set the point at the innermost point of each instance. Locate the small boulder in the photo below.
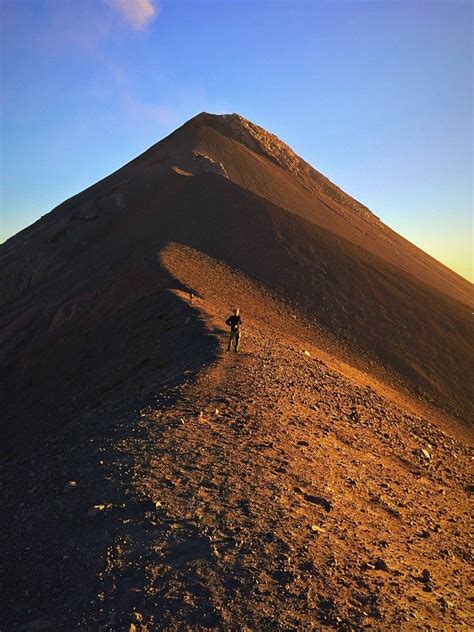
(319, 500)
(354, 415)
(381, 565)
(425, 576)
(326, 604)
(445, 603)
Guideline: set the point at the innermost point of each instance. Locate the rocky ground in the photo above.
(273, 489)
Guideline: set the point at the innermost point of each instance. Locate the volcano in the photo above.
(317, 478)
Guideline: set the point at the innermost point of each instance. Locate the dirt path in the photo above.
(271, 492)
(282, 495)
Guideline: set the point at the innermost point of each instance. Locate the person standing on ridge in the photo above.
(234, 322)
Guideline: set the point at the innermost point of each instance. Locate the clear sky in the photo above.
(376, 95)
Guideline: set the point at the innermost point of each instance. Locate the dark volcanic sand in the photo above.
(275, 489)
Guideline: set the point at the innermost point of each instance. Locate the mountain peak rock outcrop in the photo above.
(262, 142)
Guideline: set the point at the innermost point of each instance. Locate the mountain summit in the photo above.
(259, 141)
(154, 480)
(235, 192)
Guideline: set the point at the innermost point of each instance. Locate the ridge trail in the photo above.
(213, 464)
(276, 490)
(283, 495)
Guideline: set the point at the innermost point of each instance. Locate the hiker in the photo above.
(234, 322)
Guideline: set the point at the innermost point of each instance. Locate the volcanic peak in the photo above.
(259, 141)
(255, 138)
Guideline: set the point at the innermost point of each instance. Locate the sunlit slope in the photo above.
(260, 162)
(90, 271)
(97, 266)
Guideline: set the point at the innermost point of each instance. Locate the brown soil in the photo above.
(272, 491)
(261, 211)
(316, 480)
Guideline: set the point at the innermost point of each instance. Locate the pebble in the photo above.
(425, 575)
(380, 565)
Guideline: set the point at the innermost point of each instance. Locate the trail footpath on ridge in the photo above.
(273, 492)
(287, 496)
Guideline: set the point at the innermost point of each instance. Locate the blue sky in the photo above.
(376, 95)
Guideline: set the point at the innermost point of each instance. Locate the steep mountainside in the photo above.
(277, 489)
(159, 483)
(235, 192)
(262, 163)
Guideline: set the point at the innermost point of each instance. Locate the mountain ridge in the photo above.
(396, 285)
(197, 158)
(349, 218)
(151, 480)
(259, 140)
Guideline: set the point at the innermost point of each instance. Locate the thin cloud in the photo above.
(137, 13)
(146, 113)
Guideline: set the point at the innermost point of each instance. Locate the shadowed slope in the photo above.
(161, 483)
(91, 283)
(78, 275)
(270, 491)
(260, 162)
(423, 336)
